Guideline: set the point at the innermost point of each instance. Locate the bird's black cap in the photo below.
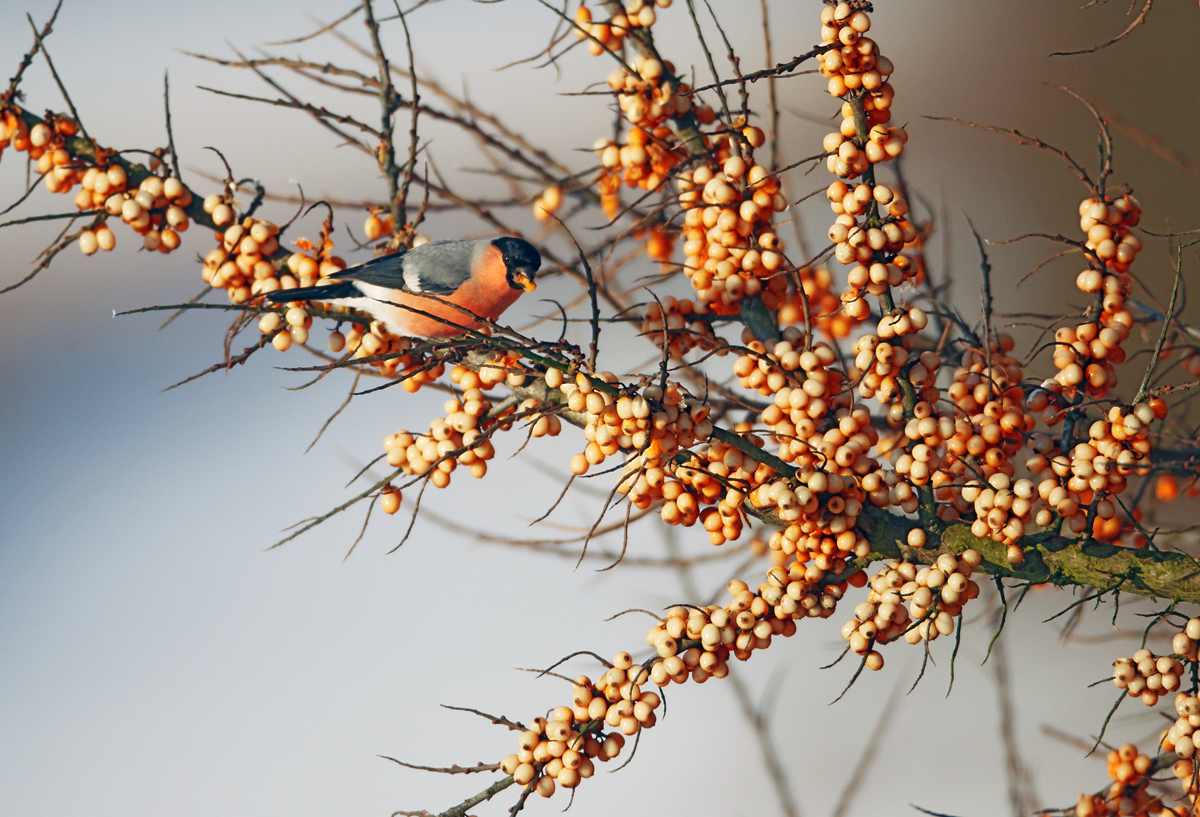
(519, 257)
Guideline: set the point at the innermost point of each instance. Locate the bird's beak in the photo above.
(525, 281)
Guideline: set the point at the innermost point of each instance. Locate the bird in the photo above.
(484, 276)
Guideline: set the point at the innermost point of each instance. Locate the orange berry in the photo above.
(373, 228)
(389, 500)
(1166, 488)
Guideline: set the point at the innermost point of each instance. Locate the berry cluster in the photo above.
(1128, 794)
(722, 476)
(1108, 224)
(1002, 510)
(96, 192)
(820, 510)
(853, 61)
(824, 304)
(656, 424)
(1088, 352)
(658, 427)
(691, 643)
(730, 247)
(609, 34)
(880, 365)
(811, 416)
(376, 226)
(727, 474)
(390, 354)
(1149, 676)
(560, 750)
(870, 229)
(645, 160)
(677, 320)
(647, 96)
(1181, 737)
(986, 389)
(1115, 448)
(156, 210)
(935, 596)
(1086, 355)
(462, 427)
(44, 145)
(219, 207)
(857, 244)
(241, 263)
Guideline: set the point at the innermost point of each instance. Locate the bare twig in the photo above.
(1162, 338)
(1022, 139)
(1141, 18)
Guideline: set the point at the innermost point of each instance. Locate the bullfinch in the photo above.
(484, 276)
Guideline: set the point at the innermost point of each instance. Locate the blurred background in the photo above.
(156, 658)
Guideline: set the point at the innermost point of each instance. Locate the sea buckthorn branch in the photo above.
(13, 84)
(738, 442)
(643, 43)
(1050, 559)
(671, 641)
(863, 142)
(157, 207)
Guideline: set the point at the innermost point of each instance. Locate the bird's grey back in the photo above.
(438, 267)
(442, 266)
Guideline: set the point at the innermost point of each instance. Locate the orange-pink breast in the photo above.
(486, 294)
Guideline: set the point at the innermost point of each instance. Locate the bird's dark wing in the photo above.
(435, 268)
(330, 292)
(384, 271)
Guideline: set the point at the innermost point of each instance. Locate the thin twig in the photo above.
(170, 132)
(58, 79)
(27, 60)
(1162, 338)
(1141, 18)
(1022, 139)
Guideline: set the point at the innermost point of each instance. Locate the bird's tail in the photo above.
(330, 292)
